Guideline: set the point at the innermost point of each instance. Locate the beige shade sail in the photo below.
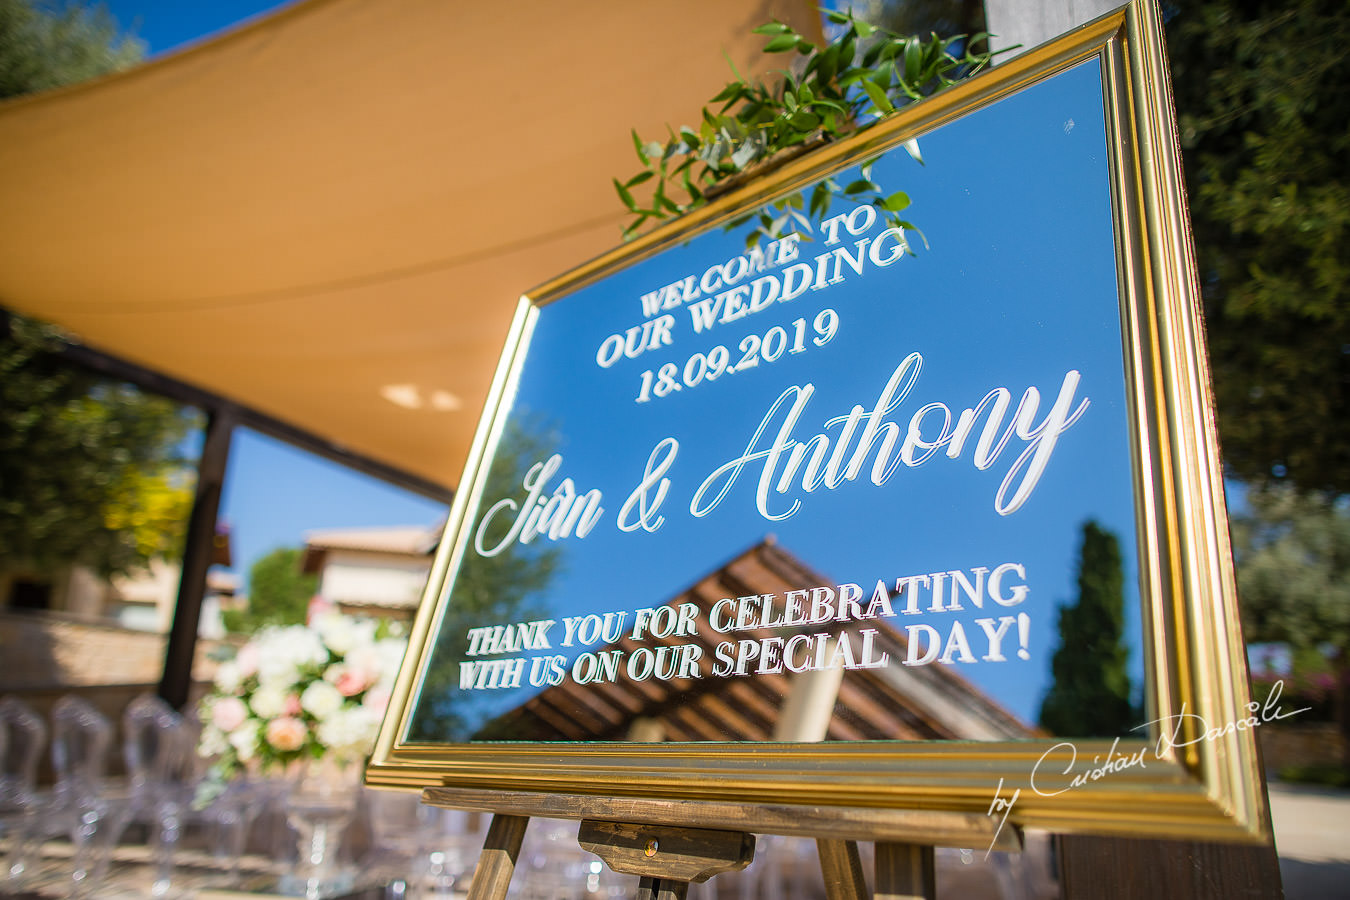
(328, 215)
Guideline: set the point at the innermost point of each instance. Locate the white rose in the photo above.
(212, 742)
(366, 659)
(244, 740)
(278, 674)
(228, 677)
(321, 700)
(283, 652)
(343, 633)
(391, 657)
(338, 632)
(350, 732)
(269, 701)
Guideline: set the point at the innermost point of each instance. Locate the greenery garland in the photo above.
(865, 73)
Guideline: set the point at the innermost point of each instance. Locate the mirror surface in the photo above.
(866, 482)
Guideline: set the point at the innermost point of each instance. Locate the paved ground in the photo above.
(1312, 835)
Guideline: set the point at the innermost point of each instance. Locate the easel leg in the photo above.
(904, 872)
(497, 862)
(661, 889)
(842, 868)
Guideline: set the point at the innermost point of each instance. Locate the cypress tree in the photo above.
(1090, 694)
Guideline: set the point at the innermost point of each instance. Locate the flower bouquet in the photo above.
(299, 692)
(304, 702)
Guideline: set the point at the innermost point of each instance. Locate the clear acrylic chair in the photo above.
(156, 747)
(82, 805)
(22, 738)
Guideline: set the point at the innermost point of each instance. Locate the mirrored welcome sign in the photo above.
(871, 512)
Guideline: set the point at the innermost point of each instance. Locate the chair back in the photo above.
(22, 737)
(81, 736)
(153, 744)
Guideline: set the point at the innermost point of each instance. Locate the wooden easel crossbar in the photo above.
(670, 844)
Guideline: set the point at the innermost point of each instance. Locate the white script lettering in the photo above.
(789, 464)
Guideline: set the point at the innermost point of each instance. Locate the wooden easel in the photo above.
(669, 844)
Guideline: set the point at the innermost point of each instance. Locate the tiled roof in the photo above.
(413, 540)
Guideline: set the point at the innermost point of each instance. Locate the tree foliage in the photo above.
(1293, 565)
(45, 45)
(1090, 693)
(90, 471)
(1293, 556)
(278, 592)
(1263, 105)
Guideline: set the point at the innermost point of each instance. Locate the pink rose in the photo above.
(228, 713)
(286, 733)
(293, 705)
(350, 682)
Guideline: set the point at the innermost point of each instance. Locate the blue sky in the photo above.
(166, 25)
(274, 492)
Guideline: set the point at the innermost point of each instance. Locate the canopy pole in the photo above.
(198, 553)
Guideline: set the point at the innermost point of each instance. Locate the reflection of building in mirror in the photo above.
(814, 703)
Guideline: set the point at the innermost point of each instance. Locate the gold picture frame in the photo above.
(1194, 776)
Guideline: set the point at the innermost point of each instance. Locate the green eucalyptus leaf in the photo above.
(733, 91)
(848, 48)
(826, 64)
(895, 202)
(800, 219)
(743, 155)
(820, 200)
(913, 59)
(625, 195)
(878, 96)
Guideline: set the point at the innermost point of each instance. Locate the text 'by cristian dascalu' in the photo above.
(816, 628)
